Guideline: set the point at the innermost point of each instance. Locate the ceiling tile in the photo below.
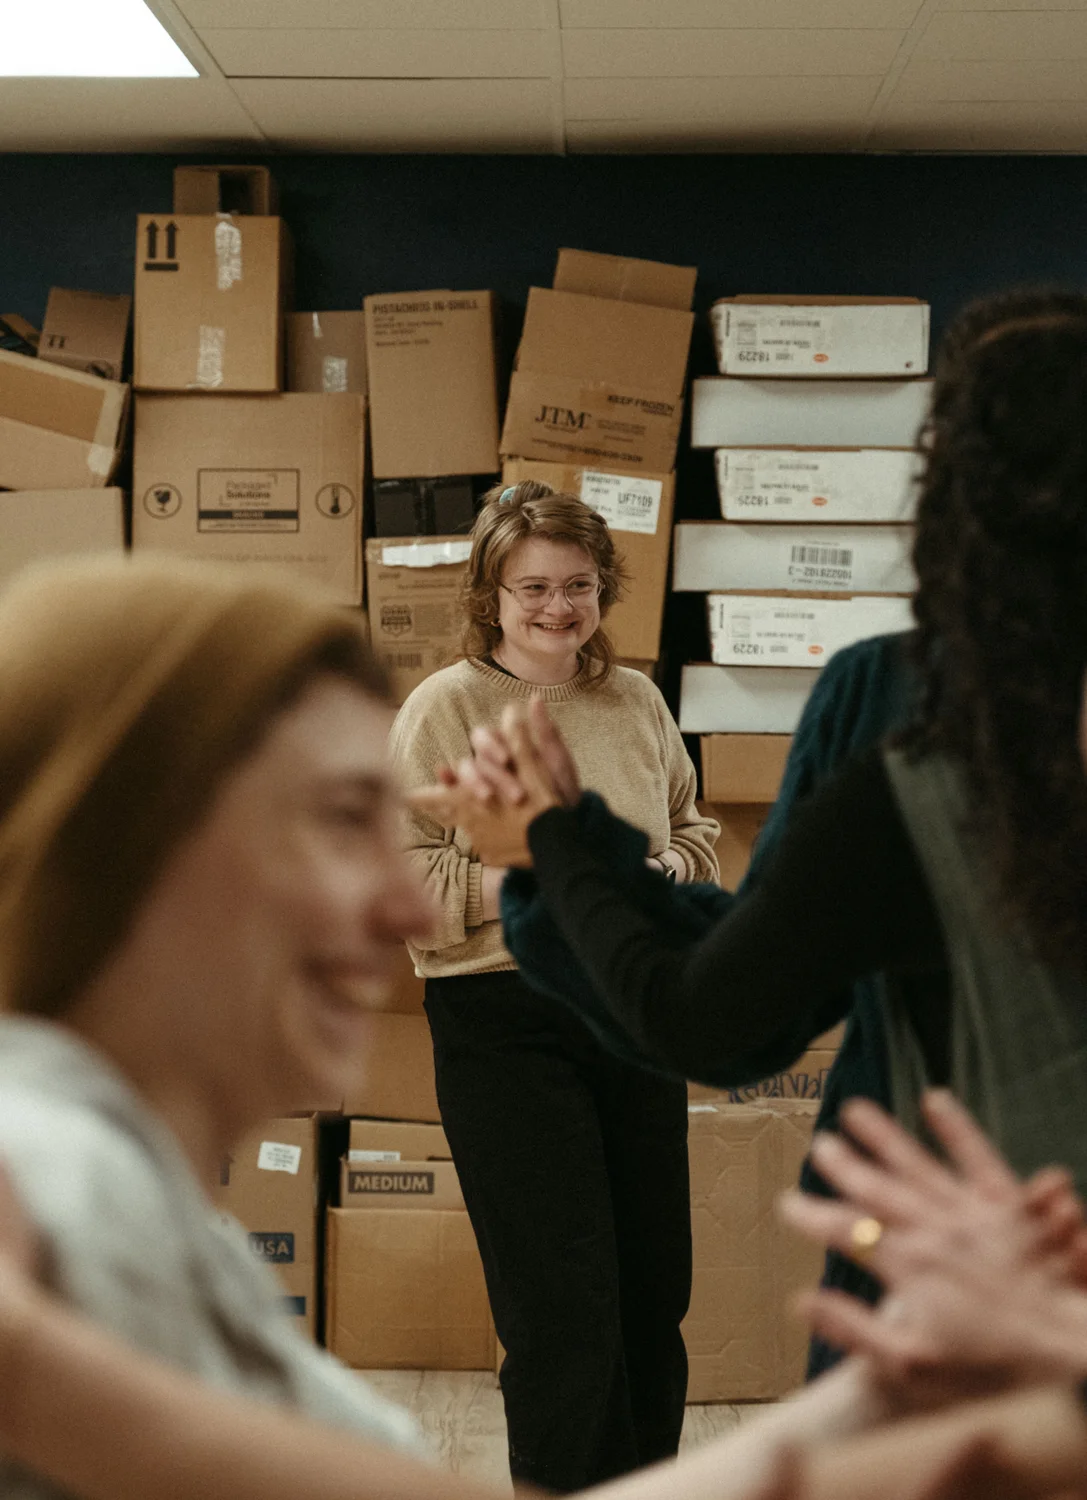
(121, 114)
(643, 137)
(364, 15)
(703, 100)
(1006, 35)
(678, 14)
(723, 54)
(382, 54)
(983, 127)
(991, 82)
(437, 115)
(1051, 5)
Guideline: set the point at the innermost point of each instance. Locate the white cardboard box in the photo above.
(727, 412)
(743, 700)
(40, 525)
(818, 484)
(724, 556)
(815, 337)
(752, 630)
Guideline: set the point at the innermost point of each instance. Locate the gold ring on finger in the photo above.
(864, 1237)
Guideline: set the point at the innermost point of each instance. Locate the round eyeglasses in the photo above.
(579, 592)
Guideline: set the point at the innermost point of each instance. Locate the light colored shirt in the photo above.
(130, 1239)
(625, 745)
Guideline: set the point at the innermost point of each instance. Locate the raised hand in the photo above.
(981, 1270)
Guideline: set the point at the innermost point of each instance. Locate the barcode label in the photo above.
(824, 557)
(408, 659)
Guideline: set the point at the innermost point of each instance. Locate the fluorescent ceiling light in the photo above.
(87, 39)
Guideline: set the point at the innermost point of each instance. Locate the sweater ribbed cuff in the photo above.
(473, 901)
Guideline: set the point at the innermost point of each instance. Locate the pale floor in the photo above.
(461, 1415)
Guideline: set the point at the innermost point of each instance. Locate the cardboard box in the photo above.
(17, 335)
(270, 1185)
(747, 629)
(744, 1343)
(818, 484)
(326, 352)
(274, 480)
(40, 525)
(743, 700)
(804, 1078)
(598, 380)
(728, 556)
(638, 508)
(743, 767)
(397, 1082)
(86, 331)
(740, 824)
(424, 507)
(210, 293)
(405, 997)
(625, 279)
(433, 384)
(821, 336)
(399, 1140)
(393, 1165)
(413, 590)
(222, 189)
(728, 412)
(59, 429)
(405, 1291)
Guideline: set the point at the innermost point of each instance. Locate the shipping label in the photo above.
(771, 637)
(789, 485)
(247, 499)
(275, 1156)
(760, 341)
(626, 503)
(364, 1155)
(820, 567)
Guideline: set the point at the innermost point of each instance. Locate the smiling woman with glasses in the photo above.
(573, 1165)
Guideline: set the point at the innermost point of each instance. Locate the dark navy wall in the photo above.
(942, 228)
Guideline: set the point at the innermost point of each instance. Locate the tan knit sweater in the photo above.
(626, 746)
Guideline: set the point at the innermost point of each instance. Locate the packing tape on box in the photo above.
(100, 459)
(228, 253)
(317, 333)
(426, 554)
(333, 375)
(209, 359)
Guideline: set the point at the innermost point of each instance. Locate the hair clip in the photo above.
(507, 494)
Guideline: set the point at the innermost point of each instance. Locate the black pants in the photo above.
(574, 1172)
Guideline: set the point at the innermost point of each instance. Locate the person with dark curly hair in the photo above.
(949, 860)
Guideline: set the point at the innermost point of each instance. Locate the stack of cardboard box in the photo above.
(814, 419)
(62, 425)
(433, 383)
(595, 408)
(404, 1281)
(227, 466)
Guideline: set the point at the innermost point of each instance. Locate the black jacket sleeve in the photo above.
(842, 896)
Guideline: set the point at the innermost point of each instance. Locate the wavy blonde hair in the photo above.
(512, 514)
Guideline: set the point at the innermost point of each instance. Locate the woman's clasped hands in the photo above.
(516, 772)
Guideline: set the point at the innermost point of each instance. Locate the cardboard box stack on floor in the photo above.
(595, 408)
(271, 1185)
(404, 1279)
(814, 419)
(63, 411)
(744, 1343)
(227, 465)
